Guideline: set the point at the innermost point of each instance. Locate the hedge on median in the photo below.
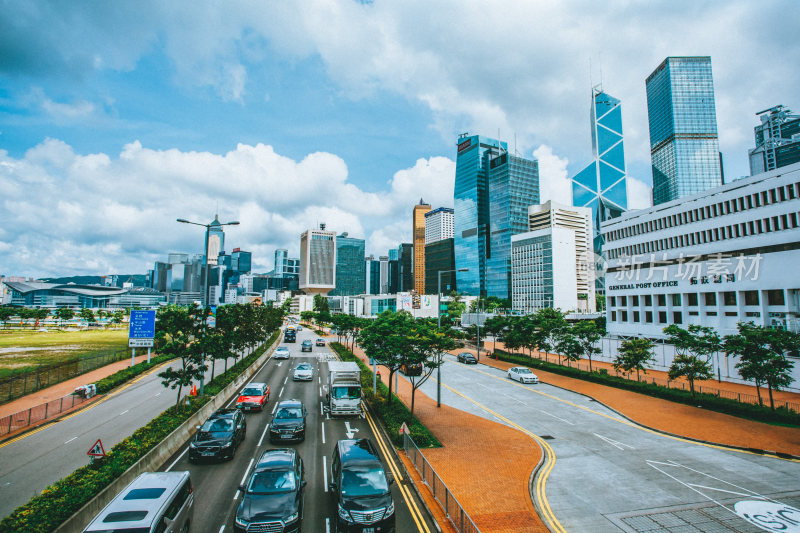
(62, 499)
(393, 414)
(780, 415)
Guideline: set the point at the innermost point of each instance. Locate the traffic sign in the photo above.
(211, 319)
(142, 328)
(97, 450)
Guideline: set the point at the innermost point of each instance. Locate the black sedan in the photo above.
(219, 436)
(307, 346)
(289, 422)
(466, 358)
(273, 495)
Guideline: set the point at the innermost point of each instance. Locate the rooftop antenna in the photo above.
(515, 144)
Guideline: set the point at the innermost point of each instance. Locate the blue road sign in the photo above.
(142, 325)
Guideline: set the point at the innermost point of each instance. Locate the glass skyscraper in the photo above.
(350, 267)
(513, 186)
(602, 185)
(471, 210)
(684, 147)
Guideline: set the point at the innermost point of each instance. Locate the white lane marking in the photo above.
(281, 392)
(262, 436)
(323, 433)
(70, 440)
(158, 394)
(279, 364)
(350, 431)
(327, 525)
(123, 412)
(177, 459)
(554, 416)
(274, 407)
(222, 528)
(516, 400)
(615, 443)
(325, 473)
(285, 380)
(244, 477)
(320, 407)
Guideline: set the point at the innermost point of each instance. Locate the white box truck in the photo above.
(344, 388)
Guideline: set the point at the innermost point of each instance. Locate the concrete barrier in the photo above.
(162, 451)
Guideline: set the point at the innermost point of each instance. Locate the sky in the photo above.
(117, 118)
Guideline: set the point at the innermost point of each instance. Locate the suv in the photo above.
(306, 346)
(290, 336)
(219, 436)
(273, 496)
(253, 396)
(288, 422)
(361, 488)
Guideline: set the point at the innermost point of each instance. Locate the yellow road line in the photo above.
(82, 409)
(544, 473)
(416, 514)
(635, 425)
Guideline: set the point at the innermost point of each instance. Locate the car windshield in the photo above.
(364, 482)
(524, 371)
(270, 481)
(251, 391)
(218, 425)
(346, 393)
(304, 366)
(289, 412)
(283, 349)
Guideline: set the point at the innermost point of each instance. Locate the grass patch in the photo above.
(391, 415)
(780, 416)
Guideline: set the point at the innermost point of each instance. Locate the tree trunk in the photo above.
(411, 414)
(389, 395)
(213, 363)
(590, 364)
(758, 391)
(771, 401)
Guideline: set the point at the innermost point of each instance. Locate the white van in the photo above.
(155, 502)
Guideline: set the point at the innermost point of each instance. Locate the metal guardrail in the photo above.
(38, 413)
(454, 511)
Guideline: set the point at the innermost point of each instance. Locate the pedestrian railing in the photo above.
(454, 511)
(39, 413)
(44, 376)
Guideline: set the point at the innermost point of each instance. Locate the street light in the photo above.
(205, 307)
(439, 315)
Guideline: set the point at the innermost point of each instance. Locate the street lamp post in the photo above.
(439, 321)
(208, 272)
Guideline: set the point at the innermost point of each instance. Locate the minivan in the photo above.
(154, 502)
(361, 488)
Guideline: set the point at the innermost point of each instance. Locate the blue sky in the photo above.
(116, 118)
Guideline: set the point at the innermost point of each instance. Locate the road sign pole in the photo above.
(148, 356)
(133, 356)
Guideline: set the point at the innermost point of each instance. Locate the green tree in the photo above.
(587, 334)
(568, 345)
(321, 304)
(494, 326)
(426, 347)
(64, 313)
(87, 314)
(5, 314)
(41, 314)
(385, 340)
(118, 316)
(548, 322)
(634, 354)
(307, 316)
(176, 330)
(691, 366)
(455, 306)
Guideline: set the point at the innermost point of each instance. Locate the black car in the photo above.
(307, 346)
(219, 436)
(466, 358)
(290, 336)
(273, 494)
(361, 488)
(288, 422)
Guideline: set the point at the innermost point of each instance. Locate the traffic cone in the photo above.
(378, 374)
(193, 391)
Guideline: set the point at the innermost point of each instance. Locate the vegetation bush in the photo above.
(126, 374)
(59, 501)
(392, 415)
(711, 402)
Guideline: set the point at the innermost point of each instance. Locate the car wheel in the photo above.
(185, 528)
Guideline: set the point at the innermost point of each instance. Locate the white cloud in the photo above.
(554, 182)
(639, 194)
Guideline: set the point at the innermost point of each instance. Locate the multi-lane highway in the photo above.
(216, 484)
(610, 475)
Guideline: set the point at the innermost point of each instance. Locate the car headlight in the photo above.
(241, 522)
(344, 515)
(389, 510)
(227, 445)
(299, 429)
(293, 517)
(192, 445)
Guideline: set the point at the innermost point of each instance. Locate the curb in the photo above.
(162, 451)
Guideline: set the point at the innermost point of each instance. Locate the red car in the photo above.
(320, 342)
(253, 397)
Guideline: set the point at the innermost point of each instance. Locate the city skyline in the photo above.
(104, 142)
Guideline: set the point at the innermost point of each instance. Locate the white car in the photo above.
(522, 374)
(281, 352)
(303, 372)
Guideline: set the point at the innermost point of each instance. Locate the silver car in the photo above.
(522, 374)
(303, 372)
(281, 352)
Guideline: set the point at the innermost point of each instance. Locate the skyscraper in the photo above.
(513, 186)
(602, 185)
(471, 210)
(684, 147)
(777, 140)
(418, 236)
(216, 240)
(317, 261)
(405, 258)
(350, 271)
(438, 225)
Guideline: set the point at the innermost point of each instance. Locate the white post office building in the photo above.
(727, 255)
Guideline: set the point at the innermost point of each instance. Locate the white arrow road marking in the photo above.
(350, 431)
(617, 444)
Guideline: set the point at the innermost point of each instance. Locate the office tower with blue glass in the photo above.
(684, 146)
(350, 268)
(513, 186)
(471, 210)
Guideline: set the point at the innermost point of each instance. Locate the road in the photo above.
(610, 475)
(216, 485)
